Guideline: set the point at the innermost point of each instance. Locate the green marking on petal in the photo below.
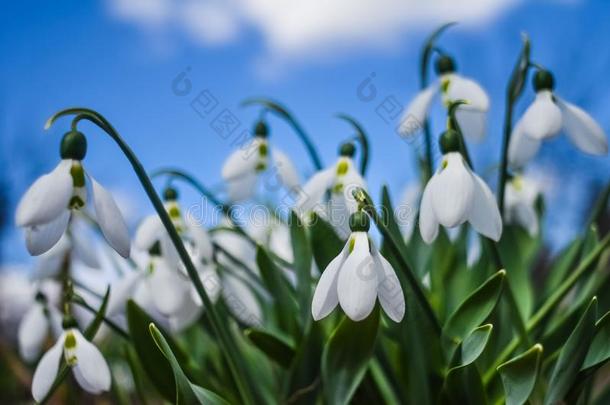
(445, 85)
(342, 168)
(261, 166)
(78, 175)
(444, 164)
(76, 203)
(338, 188)
(352, 243)
(263, 150)
(174, 212)
(70, 342)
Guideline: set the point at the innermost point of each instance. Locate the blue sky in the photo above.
(122, 59)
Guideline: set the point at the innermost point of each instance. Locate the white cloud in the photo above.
(293, 29)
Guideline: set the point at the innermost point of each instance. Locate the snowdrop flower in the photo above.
(87, 363)
(519, 203)
(77, 249)
(339, 179)
(452, 86)
(41, 317)
(455, 195)
(546, 117)
(47, 206)
(357, 277)
(245, 166)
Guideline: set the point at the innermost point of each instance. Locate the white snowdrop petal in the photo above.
(242, 187)
(325, 297)
(241, 300)
(32, 332)
(389, 289)
(522, 148)
(40, 238)
(85, 253)
(542, 119)
(583, 130)
(47, 197)
(148, 232)
(121, 290)
(91, 366)
(473, 123)
(188, 314)
(452, 191)
(462, 88)
(201, 237)
(525, 215)
(285, 169)
(484, 215)
(428, 225)
(211, 284)
(415, 114)
(47, 369)
(167, 288)
(313, 191)
(110, 219)
(242, 161)
(357, 280)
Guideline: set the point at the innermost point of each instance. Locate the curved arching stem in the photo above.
(453, 124)
(288, 117)
(514, 89)
(230, 348)
(424, 62)
(362, 138)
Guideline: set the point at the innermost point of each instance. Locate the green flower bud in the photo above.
(445, 64)
(155, 249)
(449, 141)
(69, 322)
(543, 80)
(170, 194)
(73, 146)
(359, 222)
(261, 129)
(347, 149)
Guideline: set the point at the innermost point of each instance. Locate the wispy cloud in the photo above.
(294, 30)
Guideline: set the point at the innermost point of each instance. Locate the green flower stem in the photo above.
(424, 62)
(550, 304)
(286, 115)
(362, 138)
(365, 201)
(116, 328)
(230, 349)
(514, 90)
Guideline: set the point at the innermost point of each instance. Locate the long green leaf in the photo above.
(519, 375)
(472, 312)
(274, 347)
(325, 242)
(302, 265)
(346, 356)
(475, 343)
(186, 392)
(572, 356)
(599, 351)
(275, 281)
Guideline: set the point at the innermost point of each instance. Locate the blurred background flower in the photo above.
(170, 75)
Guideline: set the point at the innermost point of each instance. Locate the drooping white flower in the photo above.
(357, 277)
(520, 203)
(546, 117)
(87, 363)
(455, 195)
(47, 206)
(243, 168)
(41, 318)
(472, 117)
(340, 180)
(77, 249)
